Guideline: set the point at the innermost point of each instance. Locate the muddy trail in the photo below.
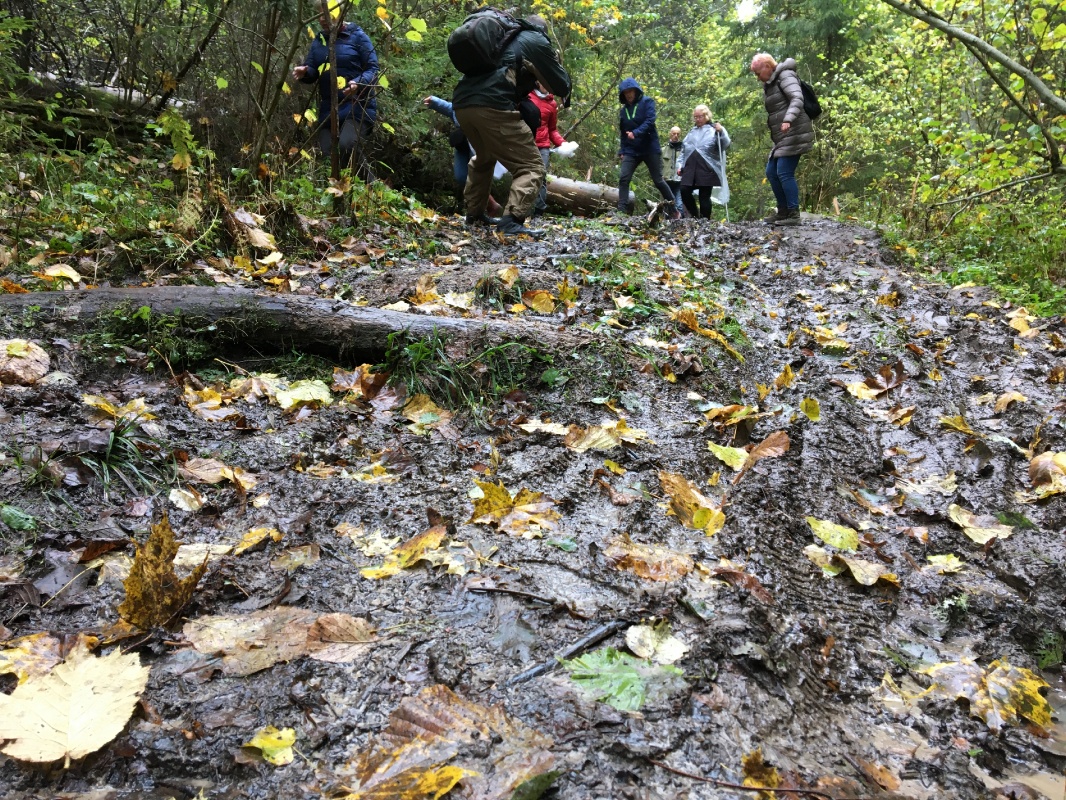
(740, 508)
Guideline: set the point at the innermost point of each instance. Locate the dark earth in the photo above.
(781, 658)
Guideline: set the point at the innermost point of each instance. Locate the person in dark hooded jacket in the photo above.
(357, 65)
(791, 130)
(639, 144)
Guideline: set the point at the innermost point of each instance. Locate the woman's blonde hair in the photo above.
(702, 109)
(764, 58)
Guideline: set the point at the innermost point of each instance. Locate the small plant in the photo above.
(1050, 650)
(953, 610)
(129, 455)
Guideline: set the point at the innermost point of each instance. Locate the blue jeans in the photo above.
(781, 173)
(655, 170)
(542, 197)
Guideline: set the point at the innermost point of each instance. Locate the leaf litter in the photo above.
(574, 551)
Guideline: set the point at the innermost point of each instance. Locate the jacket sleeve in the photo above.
(553, 127)
(369, 58)
(316, 57)
(649, 118)
(544, 61)
(443, 107)
(724, 138)
(789, 85)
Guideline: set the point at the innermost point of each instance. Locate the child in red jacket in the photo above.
(547, 136)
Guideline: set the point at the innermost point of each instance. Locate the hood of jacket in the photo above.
(629, 83)
(787, 64)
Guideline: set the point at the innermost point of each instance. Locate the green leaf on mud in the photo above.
(839, 536)
(622, 681)
(17, 519)
(734, 457)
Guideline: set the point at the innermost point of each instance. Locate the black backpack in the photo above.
(811, 107)
(477, 46)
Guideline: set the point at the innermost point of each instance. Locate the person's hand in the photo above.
(785, 126)
(718, 127)
(629, 135)
(299, 72)
(425, 101)
(352, 88)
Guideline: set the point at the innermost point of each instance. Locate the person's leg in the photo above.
(705, 202)
(542, 197)
(655, 169)
(775, 184)
(675, 187)
(519, 153)
(625, 174)
(480, 166)
(786, 175)
(686, 198)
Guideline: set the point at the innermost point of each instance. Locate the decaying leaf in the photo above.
(649, 561)
(211, 470)
(34, 655)
(74, 710)
(247, 643)
(254, 537)
(655, 643)
(946, 564)
(999, 695)
(758, 773)
(22, 362)
(528, 514)
(293, 558)
(1004, 400)
(692, 509)
(734, 457)
(425, 415)
(773, 446)
(186, 499)
(811, 409)
(408, 554)
(275, 746)
(839, 536)
(436, 739)
(303, 393)
(958, 424)
(687, 317)
(865, 572)
(155, 595)
(980, 529)
(733, 574)
(876, 384)
(622, 681)
(1047, 473)
(369, 543)
(930, 484)
(605, 436)
(134, 409)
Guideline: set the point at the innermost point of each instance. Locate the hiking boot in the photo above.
(789, 218)
(481, 219)
(673, 213)
(512, 226)
(773, 218)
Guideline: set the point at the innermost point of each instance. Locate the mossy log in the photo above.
(306, 323)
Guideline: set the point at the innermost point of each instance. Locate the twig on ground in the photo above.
(597, 636)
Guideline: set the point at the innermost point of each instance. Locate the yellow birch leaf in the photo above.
(980, 529)
(254, 537)
(691, 508)
(839, 536)
(860, 390)
(959, 424)
(946, 564)
(786, 379)
(274, 745)
(734, 457)
(407, 554)
(810, 407)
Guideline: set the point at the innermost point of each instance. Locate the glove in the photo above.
(566, 149)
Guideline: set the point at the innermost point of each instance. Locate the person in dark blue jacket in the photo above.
(357, 64)
(639, 144)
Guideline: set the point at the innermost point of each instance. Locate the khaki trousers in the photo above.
(501, 136)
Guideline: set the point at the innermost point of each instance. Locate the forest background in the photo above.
(944, 121)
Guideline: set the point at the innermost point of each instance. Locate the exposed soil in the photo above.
(795, 671)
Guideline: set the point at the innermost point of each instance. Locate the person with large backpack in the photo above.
(791, 131)
(501, 59)
(354, 93)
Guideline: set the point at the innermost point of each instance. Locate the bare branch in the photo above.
(1043, 176)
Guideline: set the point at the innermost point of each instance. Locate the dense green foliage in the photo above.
(956, 151)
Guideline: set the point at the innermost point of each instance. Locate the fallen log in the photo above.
(280, 320)
(581, 197)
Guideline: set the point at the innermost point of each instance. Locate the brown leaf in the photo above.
(744, 580)
(648, 561)
(155, 595)
(888, 377)
(339, 638)
(439, 738)
(773, 446)
(248, 643)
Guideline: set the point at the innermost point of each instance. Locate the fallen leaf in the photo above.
(758, 773)
(839, 536)
(369, 544)
(865, 572)
(999, 695)
(1004, 400)
(958, 424)
(811, 409)
(339, 638)
(408, 554)
(304, 393)
(275, 746)
(74, 710)
(731, 573)
(251, 642)
(292, 558)
(692, 509)
(734, 457)
(528, 514)
(155, 595)
(436, 739)
(622, 681)
(687, 317)
(186, 499)
(980, 529)
(656, 643)
(946, 564)
(648, 561)
(134, 409)
(254, 537)
(35, 655)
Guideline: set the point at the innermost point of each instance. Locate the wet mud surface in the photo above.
(794, 670)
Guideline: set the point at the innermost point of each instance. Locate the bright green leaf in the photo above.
(418, 24)
(622, 681)
(221, 83)
(414, 36)
(257, 67)
(839, 536)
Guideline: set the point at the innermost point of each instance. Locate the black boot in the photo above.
(481, 219)
(513, 226)
(791, 217)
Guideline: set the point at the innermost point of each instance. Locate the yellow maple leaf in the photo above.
(528, 514)
(691, 508)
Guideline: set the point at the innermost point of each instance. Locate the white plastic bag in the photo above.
(566, 149)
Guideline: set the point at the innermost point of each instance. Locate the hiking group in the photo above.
(505, 117)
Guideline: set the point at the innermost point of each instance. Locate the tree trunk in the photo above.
(280, 320)
(580, 197)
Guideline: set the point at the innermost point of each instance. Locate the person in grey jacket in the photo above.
(791, 130)
(703, 163)
(672, 165)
